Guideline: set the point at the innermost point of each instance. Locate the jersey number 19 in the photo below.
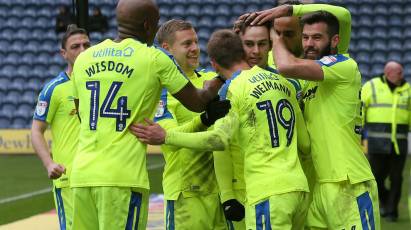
(272, 121)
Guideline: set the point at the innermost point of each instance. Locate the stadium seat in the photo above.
(364, 45)
(395, 21)
(365, 21)
(4, 122)
(223, 10)
(362, 56)
(221, 22)
(395, 56)
(208, 10)
(379, 33)
(19, 122)
(205, 22)
(379, 21)
(395, 10)
(193, 10)
(378, 58)
(365, 10)
(380, 9)
(238, 10)
(379, 45)
(362, 32)
(394, 45)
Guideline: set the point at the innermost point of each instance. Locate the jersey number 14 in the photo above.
(121, 113)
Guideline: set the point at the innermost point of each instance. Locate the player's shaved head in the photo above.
(137, 19)
(393, 71)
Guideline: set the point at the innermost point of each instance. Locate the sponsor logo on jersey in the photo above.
(310, 93)
(113, 52)
(41, 108)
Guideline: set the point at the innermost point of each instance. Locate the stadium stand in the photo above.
(29, 46)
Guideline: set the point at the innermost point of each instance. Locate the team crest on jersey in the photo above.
(160, 109)
(328, 60)
(41, 108)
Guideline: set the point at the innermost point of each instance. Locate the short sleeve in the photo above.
(334, 68)
(169, 73)
(47, 104)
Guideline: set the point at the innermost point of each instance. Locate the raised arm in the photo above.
(292, 67)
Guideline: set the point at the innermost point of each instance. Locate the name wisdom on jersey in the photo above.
(109, 66)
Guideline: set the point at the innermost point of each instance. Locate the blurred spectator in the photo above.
(63, 19)
(387, 115)
(97, 21)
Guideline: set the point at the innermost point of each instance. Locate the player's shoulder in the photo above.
(54, 84)
(336, 60)
(230, 82)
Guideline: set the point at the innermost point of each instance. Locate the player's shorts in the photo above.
(342, 205)
(64, 207)
(110, 208)
(278, 212)
(238, 225)
(199, 212)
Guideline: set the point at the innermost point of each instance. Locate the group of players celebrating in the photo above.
(270, 140)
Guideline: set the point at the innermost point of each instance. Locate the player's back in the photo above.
(117, 83)
(267, 108)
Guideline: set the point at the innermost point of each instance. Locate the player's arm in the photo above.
(174, 80)
(223, 166)
(342, 14)
(211, 140)
(197, 99)
(290, 66)
(39, 143)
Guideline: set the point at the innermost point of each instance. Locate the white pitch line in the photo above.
(24, 196)
(46, 190)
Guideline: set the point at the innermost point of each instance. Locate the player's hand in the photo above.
(233, 210)
(212, 87)
(152, 133)
(261, 17)
(215, 110)
(54, 170)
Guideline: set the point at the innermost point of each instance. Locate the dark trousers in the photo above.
(388, 165)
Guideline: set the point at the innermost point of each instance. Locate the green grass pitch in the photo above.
(22, 174)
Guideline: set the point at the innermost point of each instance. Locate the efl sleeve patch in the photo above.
(331, 60)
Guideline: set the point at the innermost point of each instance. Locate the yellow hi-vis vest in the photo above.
(386, 113)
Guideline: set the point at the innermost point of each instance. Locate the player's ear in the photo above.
(165, 46)
(63, 53)
(335, 40)
(214, 64)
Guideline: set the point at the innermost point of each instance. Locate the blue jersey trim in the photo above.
(262, 212)
(331, 60)
(224, 88)
(174, 60)
(272, 70)
(135, 203)
(60, 209)
(46, 94)
(162, 110)
(366, 210)
(170, 215)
